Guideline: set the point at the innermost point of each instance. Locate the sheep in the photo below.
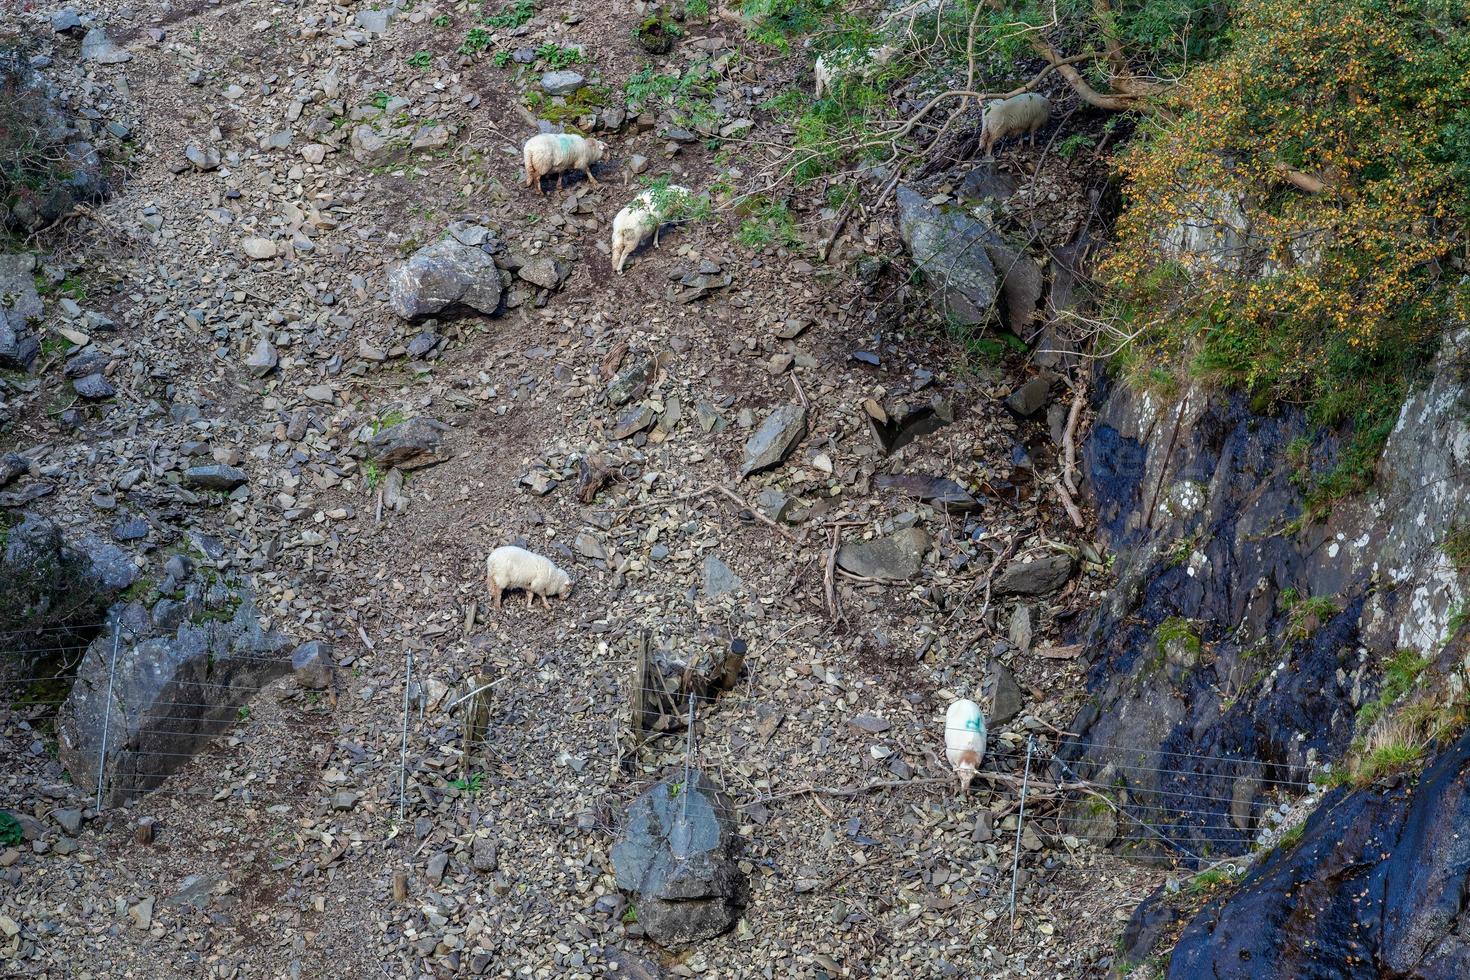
(642, 218)
(516, 568)
(832, 66)
(964, 740)
(1019, 114)
(556, 153)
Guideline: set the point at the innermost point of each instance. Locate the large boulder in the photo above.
(179, 680)
(677, 859)
(950, 248)
(444, 274)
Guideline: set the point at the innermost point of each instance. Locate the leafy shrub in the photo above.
(11, 833)
(1328, 296)
(512, 15)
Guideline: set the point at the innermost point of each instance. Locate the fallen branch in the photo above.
(848, 791)
(1069, 444)
(1069, 505)
(758, 515)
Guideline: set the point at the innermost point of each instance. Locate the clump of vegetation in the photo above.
(1399, 675)
(673, 205)
(1211, 880)
(419, 60)
(767, 222)
(1456, 546)
(512, 15)
(688, 96)
(477, 40)
(1305, 615)
(1334, 138)
(1177, 630)
(470, 784)
(557, 57)
(11, 833)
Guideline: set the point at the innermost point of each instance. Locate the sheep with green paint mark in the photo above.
(557, 153)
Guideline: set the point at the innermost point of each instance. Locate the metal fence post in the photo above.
(403, 748)
(1020, 829)
(107, 711)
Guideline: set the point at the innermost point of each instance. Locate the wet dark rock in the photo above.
(676, 857)
(1377, 887)
(423, 344)
(12, 466)
(898, 556)
(409, 445)
(1038, 577)
(630, 382)
(986, 182)
(442, 275)
(85, 363)
(770, 444)
(1003, 693)
(133, 529)
(94, 388)
(18, 346)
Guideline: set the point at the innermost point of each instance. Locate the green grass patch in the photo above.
(1399, 675)
(1305, 615)
(11, 833)
(1456, 546)
(557, 57)
(768, 222)
(419, 60)
(1176, 629)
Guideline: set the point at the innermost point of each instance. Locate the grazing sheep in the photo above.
(832, 66)
(516, 568)
(1019, 114)
(643, 218)
(964, 740)
(556, 153)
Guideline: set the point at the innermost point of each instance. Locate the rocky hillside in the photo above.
(289, 347)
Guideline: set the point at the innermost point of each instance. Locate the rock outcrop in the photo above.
(182, 671)
(676, 858)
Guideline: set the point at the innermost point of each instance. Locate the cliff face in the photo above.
(1234, 653)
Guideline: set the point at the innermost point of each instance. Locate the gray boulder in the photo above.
(18, 346)
(773, 441)
(897, 556)
(1035, 577)
(18, 287)
(677, 860)
(46, 582)
(312, 664)
(94, 387)
(216, 476)
(949, 248)
(719, 579)
(170, 695)
(98, 47)
(561, 82)
(441, 275)
(409, 445)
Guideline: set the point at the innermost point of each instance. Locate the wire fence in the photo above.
(1043, 801)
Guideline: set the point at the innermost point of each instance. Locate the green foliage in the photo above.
(1399, 675)
(1386, 759)
(420, 60)
(1069, 147)
(557, 56)
(1291, 838)
(630, 914)
(501, 59)
(471, 785)
(777, 22)
(380, 100)
(477, 40)
(696, 9)
(512, 15)
(11, 833)
(768, 222)
(372, 474)
(1332, 299)
(673, 205)
(443, 20)
(1209, 881)
(244, 713)
(688, 96)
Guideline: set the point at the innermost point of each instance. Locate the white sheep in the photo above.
(832, 66)
(642, 218)
(1019, 114)
(516, 568)
(556, 153)
(964, 740)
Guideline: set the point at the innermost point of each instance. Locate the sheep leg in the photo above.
(656, 230)
(546, 602)
(590, 179)
(530, 598)
(495, 590)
